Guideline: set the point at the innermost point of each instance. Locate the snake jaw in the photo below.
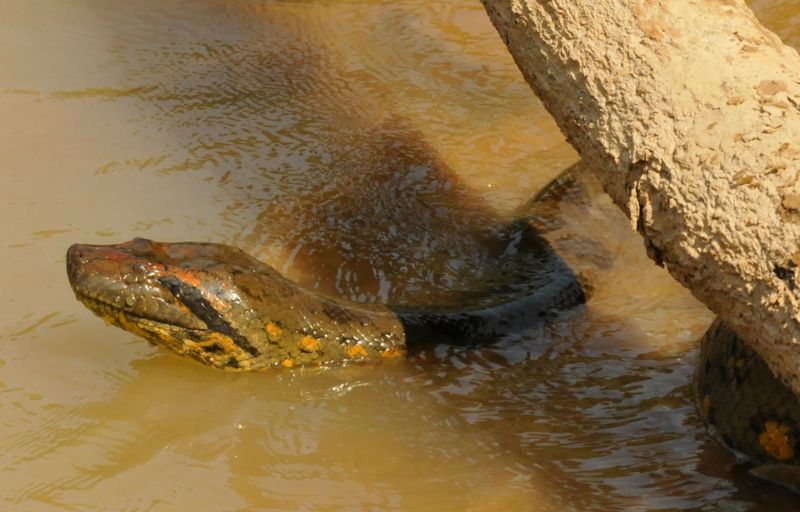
(204, 345)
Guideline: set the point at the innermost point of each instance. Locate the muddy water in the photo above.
(370, 149)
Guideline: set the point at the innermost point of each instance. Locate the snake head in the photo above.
(180, 295)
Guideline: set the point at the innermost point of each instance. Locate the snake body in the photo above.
(224, 308)
(749, 409)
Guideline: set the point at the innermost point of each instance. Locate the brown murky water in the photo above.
(372, 149)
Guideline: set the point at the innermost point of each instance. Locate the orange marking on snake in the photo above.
(188, 277)
(273, 330)
(309, 344)
(775, 440)
(191, 279)
(357, 351)
(392, 352)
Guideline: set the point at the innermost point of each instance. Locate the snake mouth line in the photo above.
(173, 334)
(204, 345)
(111, 311)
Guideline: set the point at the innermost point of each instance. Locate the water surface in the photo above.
(375, 150)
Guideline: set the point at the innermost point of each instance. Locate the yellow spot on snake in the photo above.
(287, 363)
(357, 351)
(227, 343)
(126, 324)
(392, 352)
(309, 344)
(273, 330)
(775, 441)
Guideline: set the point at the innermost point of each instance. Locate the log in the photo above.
(688, 112)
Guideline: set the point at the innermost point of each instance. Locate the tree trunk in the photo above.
(688, 112)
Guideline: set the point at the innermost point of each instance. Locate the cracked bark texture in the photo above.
(689, 113)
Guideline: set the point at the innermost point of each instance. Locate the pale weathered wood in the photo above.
(688, 112)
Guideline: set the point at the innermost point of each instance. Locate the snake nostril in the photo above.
(78, 254)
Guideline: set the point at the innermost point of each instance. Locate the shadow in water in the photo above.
(389, 222)
(321, 180)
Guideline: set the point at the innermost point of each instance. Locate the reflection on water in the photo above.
(373, 149)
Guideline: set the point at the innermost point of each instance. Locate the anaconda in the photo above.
(224, 308)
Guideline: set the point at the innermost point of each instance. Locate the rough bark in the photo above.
(689, 113)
